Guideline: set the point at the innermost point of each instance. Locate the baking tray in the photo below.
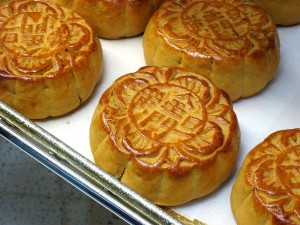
(79, 171)
(275, 108)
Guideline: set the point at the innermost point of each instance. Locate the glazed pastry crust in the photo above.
(50, 72)
(266, 190)
(113, 19)
(117, 19)
(145, 159)
(232, 42)
(282, 13)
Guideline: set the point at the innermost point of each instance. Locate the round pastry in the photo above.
(267, 188)
(114, 19)
(50, 58)
(282, 13)
(167, 133)
(233, 42)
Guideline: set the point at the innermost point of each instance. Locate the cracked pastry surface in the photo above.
(50, 58)
(233, 42)
(267, 188)
(167, 133)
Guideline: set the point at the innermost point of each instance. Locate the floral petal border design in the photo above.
(274, 173)
(127, 136)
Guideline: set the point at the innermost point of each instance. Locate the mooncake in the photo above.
(169, 134)
(113, 19)
(267, 188)
(233, 42)
(50, 58)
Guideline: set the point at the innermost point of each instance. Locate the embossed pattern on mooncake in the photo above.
(168, 120)
(41, 39)
(274, 174)
(215, 28)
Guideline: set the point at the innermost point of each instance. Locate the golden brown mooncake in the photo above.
(50, 58)
(282, 13)
(169, 134)
(114, 19)
(267, 188)
(232, 42)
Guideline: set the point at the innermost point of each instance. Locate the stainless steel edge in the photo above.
(79, 171)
